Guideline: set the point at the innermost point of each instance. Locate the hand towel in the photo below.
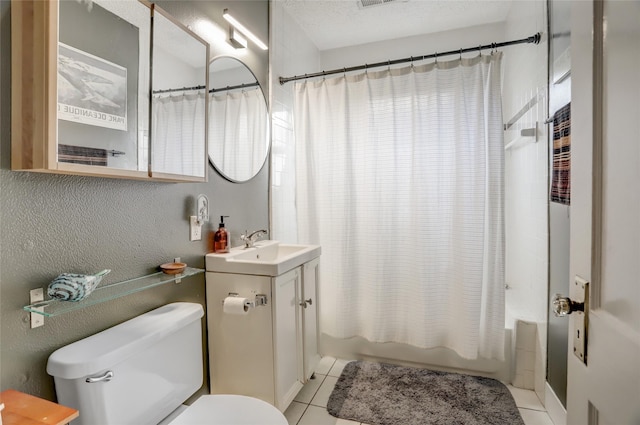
(561, 169)
(82, 155)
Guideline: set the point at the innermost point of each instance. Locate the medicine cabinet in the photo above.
(90, 80)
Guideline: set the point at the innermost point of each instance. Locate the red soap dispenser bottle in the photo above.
(221, 238)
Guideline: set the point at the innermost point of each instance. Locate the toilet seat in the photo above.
(230, 410)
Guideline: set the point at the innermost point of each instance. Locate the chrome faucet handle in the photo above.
(247, 241)
(258, 233)
(250, 238)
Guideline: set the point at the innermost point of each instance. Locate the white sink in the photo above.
(266, 258)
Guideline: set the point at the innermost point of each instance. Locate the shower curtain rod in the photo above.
(535, 39)
(239, 86)
(182, 89)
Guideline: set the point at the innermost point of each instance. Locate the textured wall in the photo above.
(51, 224)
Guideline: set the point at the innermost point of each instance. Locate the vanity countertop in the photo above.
(25, 409)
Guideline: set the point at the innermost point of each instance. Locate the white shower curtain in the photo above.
(400, 179)
(236, 140)
(178, 133)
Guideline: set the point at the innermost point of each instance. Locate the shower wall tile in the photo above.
(292, 53)
(525, 358)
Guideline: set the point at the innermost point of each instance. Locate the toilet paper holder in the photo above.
(260, 299)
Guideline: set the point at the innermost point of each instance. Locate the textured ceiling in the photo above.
(339, 23)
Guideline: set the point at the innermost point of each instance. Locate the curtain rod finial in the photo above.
(536, 38)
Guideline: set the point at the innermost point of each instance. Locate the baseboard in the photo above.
(555, 409)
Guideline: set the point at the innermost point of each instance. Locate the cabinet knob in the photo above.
(305, 302)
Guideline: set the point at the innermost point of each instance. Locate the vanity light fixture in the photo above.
(236, 39)
(241, 28)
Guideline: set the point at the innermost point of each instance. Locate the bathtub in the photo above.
(444, 359)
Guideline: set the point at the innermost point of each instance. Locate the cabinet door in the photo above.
(179, 101)
(80, 87)
(309, 302)
(240, 346)
(287, 337)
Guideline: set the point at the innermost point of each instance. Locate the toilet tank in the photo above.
(155, 360)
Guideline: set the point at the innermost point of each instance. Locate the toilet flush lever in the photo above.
(108, 376)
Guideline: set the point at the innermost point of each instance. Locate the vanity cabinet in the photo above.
(272, 350)
(83, 90)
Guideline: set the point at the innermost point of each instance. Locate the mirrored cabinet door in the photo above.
(179, 101)
(103, 81)
(86, 112)
(81, 90)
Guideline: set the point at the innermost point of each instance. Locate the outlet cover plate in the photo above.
(195, 229)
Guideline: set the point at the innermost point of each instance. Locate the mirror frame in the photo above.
(222, 173)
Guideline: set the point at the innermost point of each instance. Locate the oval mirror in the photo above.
(238, 120)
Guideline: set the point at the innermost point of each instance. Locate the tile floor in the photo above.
(310, 405)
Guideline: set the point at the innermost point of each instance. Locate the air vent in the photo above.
(362, 4)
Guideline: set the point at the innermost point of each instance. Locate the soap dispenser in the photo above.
(221, 238)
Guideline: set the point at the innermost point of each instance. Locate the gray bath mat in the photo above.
(383, 394)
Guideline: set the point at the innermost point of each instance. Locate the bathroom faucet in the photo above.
(249, 239)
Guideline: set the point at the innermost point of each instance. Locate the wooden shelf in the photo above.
(25, 409)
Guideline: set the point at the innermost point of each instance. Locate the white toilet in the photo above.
(141, 371)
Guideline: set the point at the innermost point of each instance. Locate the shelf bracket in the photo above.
(36, 295)
(177, 260)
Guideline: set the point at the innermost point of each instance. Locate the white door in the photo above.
(605, 211)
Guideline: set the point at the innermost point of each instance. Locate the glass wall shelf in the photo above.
(54, 307)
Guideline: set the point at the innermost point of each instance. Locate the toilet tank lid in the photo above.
(105, 349)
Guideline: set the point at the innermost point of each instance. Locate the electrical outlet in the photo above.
(195, 229)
